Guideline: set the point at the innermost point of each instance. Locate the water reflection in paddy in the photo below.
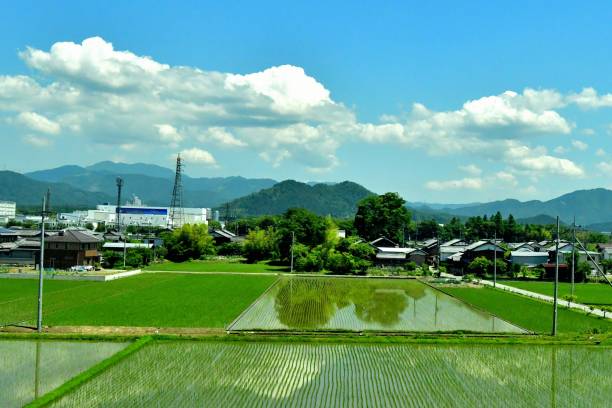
(302, 303)
(29, 369)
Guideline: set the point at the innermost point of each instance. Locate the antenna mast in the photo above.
(176, 216)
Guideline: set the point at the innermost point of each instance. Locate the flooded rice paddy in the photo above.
(351, 304)
(29, 369)
(235, 374)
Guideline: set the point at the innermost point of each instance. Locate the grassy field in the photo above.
(149, 300)
(216, 266)
(529, 313)
(275, 374)
(587, 293)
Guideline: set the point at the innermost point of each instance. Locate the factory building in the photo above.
(8, 211)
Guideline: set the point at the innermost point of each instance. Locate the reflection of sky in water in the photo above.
(364, 304)
(271, 374)
(29, 369)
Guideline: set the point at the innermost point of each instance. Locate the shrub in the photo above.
(230, 249)
(479, 266)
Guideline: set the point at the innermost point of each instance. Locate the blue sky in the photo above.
(438, 102)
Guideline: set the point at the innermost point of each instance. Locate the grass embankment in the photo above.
(529, 313)
(149, 300)
(216, 266)
(586, 293)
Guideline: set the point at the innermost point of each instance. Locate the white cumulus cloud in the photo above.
(117, 97)
(38, 122)
(198, 156)
(468, 183)
(605, 167)
(579, 145)
(168, 134)
(471, 169)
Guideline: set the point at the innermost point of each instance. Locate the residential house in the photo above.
(451, 247)
(605, 250)
(71, 248)
(21, 252)
(430, 247)
(528, 258)
(486, 248)
(524, 246)
(223, 236)
(388, 253)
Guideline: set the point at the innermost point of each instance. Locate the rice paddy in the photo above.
(29, 369)
(336, 304)
(240, 374)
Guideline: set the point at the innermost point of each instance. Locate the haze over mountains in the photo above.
(84, 187)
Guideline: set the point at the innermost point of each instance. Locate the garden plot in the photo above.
(239, 374)
(29, 369)
(343, 304)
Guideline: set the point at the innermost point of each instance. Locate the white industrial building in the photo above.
(144, 215)
(8, 210)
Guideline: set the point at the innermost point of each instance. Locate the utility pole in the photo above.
(554, 328)
(124, 249)
(573, 253)
(495, 259)
(292, 243)
(439, 254)
(44, 210)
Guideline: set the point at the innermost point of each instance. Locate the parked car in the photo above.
(82, 268)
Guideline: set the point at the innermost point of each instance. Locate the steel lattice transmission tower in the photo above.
(176, 217)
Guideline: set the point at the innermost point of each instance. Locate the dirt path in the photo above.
(119, 330)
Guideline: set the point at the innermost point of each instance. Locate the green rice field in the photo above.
(532, 314)
(587, 293)
(236, 374)
(148, 300)
(354, 304)
(28, 369)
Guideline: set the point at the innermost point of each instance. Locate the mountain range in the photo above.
(588, 206)
(151, 183)
(84, 187)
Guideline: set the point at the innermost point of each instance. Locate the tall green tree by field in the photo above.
(191, 241)
(260, 244)
(309, 229)
(382, 215)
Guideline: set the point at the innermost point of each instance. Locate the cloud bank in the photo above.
(120, 98)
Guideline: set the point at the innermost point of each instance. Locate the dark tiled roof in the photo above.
(73, 236)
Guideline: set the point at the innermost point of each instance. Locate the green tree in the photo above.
(479, 266)
(191, 241)
(383, 215)
(111, 259)
(606, 265)
(309, 229)
(428, 229)
(259, 245)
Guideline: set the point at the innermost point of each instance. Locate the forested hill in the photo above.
(28, 193)
(337, 200)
